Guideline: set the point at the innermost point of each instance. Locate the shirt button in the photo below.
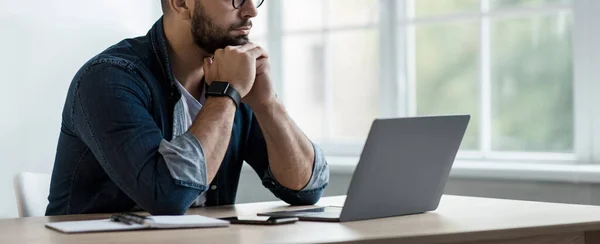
(213, 187)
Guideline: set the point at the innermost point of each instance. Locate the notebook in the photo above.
(152, 222)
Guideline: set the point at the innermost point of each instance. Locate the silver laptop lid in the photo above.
(404, 166)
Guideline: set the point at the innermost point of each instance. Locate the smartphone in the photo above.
(261, 220)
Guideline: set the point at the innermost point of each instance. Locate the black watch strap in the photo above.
(223, 89)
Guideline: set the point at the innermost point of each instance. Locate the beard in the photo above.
(209, 37)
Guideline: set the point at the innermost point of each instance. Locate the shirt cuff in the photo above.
(320, 173)
(185, 160)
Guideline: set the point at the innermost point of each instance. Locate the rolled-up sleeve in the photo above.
(320, 174)
(311, 193)
(258, 159)
(185, 160)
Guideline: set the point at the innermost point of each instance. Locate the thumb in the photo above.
(207, 67)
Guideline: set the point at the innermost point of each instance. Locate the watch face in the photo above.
(218, 87)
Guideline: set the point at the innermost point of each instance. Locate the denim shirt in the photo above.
(122, 145)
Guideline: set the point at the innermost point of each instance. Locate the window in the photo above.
(509, 63)
(512, 64)
(331, 67)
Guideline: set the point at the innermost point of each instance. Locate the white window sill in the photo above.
(573, 173)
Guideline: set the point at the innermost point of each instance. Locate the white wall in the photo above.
(42, 44)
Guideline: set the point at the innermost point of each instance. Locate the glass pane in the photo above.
(532, 79)
(424, 8)
(525, 3)
(354, 75)
(303, 76)
(303, 14)
(447, 73)
(260, 23)
(352, 12)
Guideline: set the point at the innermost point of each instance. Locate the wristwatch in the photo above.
(223, 89)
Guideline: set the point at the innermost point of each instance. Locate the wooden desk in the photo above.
(458, 220)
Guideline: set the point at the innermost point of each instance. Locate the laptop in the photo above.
(403, 170)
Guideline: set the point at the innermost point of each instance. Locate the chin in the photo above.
(242, 40)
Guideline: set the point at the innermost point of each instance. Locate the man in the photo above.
(164, 122)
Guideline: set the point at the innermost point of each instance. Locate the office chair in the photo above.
(31, 190)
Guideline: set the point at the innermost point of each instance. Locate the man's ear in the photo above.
(182, 8)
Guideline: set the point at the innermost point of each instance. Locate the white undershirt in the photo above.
(192, 108)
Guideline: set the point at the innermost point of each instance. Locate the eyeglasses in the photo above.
(239, 3)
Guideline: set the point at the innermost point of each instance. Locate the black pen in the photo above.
(117, 218)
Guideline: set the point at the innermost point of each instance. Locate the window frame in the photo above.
(397, 96)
